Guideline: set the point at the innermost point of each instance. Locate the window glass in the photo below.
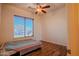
(18, 26)
(28, 27)
(22, 27)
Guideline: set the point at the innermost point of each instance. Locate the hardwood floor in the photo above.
(49, 49)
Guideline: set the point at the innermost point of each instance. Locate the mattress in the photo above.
(21, 44)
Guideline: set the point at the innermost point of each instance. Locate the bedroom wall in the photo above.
(37, 27)
(54, 26)
(7, 21)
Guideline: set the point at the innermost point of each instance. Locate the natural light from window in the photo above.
(23, 27)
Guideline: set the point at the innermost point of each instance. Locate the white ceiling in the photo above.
(31, 6)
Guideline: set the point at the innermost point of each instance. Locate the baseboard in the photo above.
(54, 43)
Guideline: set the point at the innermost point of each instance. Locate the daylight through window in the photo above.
(23, 26)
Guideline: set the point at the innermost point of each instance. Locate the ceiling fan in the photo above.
(41, 8)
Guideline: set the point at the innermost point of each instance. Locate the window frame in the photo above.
(24, 26)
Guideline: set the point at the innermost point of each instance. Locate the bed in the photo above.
(23, 46)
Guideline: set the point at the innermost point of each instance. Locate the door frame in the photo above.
(73, 30)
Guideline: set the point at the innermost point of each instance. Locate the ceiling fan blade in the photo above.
(48, 6)
(37, 3)
(43, 11)
(36, 12)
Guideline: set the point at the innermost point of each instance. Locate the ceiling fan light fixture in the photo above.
(41, 9)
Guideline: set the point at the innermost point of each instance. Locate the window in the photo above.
(28, 27)
(22, 27)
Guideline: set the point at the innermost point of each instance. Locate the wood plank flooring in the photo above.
(49, 49)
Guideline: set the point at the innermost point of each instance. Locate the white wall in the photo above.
(54, 27)
(37, 28)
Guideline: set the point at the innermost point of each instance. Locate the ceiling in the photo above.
(31, 6)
